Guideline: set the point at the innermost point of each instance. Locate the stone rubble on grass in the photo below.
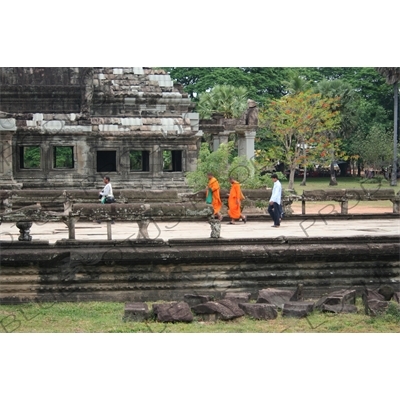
(214, 310)
(298, 309)
(261, 311)
(136, 312)
(173, 312)
(374, 302)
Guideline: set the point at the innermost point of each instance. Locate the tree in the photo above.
(376, 150)
(392, 75)
(295, 119)
(228, 100)
(345, 94)
(222, 164)
(261, 83)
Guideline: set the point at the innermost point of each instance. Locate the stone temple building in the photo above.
(69, 127)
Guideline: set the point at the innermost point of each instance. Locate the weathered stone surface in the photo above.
(298, 294)
(196, 299)
(386, 291)
(222, 309)
(136, 312)
(374, 303)
(274, 296)
(338, 297)
(262, 311)
(173, 312)
(297, 309)
(238, 297)
(396, 297)
(339, 308)
(374, 295)
(376, 307)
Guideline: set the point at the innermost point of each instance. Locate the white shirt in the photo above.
(276, 193)
(107, 191)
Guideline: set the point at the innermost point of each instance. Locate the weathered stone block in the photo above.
(386, 291)
(339, 308)
(338, 297)
(196, 299)
(173, 312)
(223, 309)
(136, 312)
(275, 296)
(259, 311)
(297, 309)
(376, 307)
(238, 297)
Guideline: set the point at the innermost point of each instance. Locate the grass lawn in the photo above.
(343, 183)
(105, 317)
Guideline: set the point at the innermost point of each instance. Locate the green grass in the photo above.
(103, 317)
(343, 183)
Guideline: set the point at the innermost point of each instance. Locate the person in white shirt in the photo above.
(106, 195)
(274, 207)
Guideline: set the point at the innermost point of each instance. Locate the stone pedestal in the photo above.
(24, 230)
(219, 138)
(246, 143)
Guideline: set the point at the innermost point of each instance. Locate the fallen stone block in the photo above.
(297, 309)
(173, 312)
(195, 299)
(277, 297)
(373, 295)
(238, 297)
(339, 308)
(136, 312)
(338, 297)
(386, 291)
(262, 311)
(376, 307)
(214, 310)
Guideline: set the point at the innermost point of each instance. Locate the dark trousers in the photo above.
(275, 213)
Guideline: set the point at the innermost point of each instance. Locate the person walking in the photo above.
(274, 208)
(106, 195)
(213, 186)
(234, 202)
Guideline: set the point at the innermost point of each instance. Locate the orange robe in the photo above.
(216, 199)
(235, 196)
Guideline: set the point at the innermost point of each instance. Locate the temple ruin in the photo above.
(68, 127)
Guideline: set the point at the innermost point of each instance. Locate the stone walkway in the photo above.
(307, 227)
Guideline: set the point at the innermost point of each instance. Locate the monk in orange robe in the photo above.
(235, 198)
(213, 185)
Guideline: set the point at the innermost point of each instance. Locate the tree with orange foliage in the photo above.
(297, 122)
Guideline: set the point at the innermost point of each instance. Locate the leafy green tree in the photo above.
(376, 150)
(261, 83)
(222, 163)
(228, 100)
(295, 119)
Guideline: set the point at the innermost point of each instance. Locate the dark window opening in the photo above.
(139, 160)
(63, 157)
(29, 157)
(106, 161)
(172, 160)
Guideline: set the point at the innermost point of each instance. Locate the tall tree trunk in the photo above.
(393, 181)
(291, 178)
(303, 182)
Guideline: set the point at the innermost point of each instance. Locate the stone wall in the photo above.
(104, 117)
(151, 270)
